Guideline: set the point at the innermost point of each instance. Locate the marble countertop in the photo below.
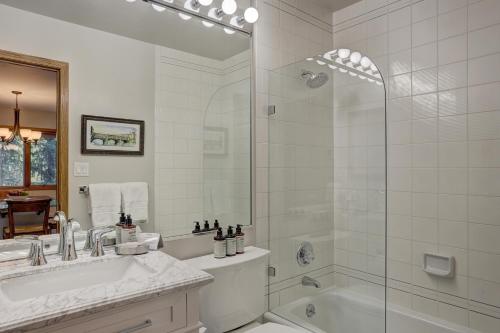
(166, 275)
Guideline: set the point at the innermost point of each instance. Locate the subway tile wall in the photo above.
(194, 92)
(441, 61)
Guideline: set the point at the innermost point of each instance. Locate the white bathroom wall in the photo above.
(440, 59)
(287, 32)
(109, 75)
(193, 92)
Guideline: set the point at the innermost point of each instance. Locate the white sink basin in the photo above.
(72, 277)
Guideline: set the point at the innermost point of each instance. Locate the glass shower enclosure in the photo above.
(327, 194)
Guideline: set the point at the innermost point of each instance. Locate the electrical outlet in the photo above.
(81, 169)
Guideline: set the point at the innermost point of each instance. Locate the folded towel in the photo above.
(104, 203)
(135, 200)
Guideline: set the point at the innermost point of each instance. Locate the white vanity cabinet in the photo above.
(173, 313)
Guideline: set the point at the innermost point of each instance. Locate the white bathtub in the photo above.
(341, 311)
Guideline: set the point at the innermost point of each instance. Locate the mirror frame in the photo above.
(62, 70)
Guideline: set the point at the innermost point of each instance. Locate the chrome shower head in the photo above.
(314, 80)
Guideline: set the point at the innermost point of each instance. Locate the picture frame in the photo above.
(111, 136)
(215, 141)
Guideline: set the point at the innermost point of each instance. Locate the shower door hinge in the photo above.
(271, 110)
(271, 271)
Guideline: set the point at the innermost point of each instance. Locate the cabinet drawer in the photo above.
(162, 315)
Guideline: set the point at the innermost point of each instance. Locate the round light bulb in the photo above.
(355, 57)
(366, 62)
(213, 14)
(205, 2)
(373, 68)
(158, 8)
(229, 7)
(229, 31)
(344, 53)
(251, 15)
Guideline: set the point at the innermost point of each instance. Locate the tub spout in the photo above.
(310, 282)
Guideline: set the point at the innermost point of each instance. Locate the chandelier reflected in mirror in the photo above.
(8, 135)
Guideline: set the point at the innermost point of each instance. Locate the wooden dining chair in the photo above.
(36, 205)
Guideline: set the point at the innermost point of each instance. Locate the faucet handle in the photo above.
(98, 248)
(37, 257)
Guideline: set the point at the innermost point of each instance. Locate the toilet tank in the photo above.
(237, 295)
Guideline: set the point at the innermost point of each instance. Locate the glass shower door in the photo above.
(327, 196)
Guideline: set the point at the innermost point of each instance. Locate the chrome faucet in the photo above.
(90, 239)
(36, 253)
(310, 282)
(98, 248)
(66, 246)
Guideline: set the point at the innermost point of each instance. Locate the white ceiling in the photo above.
(39, 88)
(139, 21)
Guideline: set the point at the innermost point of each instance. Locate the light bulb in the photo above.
(310, 59)
(207, 24)
(235, 21)
(355, 57)
(366, 62)
(158, 8)
(229, 31)
(213, 14)
(251, 15)
(344, 53)
(192, 5)
(229, 7)
(130, 1)
(373, 68)
(185, 17)
(205, 2)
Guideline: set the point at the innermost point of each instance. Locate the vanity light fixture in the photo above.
(26, 135)
(353, 63)
(212, 16)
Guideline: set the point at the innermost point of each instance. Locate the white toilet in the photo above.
(237, 296)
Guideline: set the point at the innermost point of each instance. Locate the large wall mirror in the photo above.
(33, 147)
(192, 91)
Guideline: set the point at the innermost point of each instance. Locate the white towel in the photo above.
(135, 200)
(104, 203)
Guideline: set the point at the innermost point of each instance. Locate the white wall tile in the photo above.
(484, 97)
(452, 23)
(484, 209)
(424, 9)
(424, 56)
(479, 41)
(452, 76)
(424, 81)
(483, 14)
(484, 125)
(424, 32)
(484, 69)
(452, 49)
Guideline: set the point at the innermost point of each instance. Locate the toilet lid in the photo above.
(273, 328)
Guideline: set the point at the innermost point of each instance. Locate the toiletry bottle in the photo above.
(219, 245)
(197, 227)
(216, 224)
(119, 226)
(206, 226)
(240, 240)
(230, 242)
(129, 231)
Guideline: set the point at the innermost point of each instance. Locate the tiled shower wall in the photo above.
(193, 92)
(288, 31)
(441, 61)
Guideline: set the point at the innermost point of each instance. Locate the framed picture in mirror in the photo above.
(111, 136)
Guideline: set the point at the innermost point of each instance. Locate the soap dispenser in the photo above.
(216, 224)
(230, 242)
(206, 226)
(129, 231)
(219, 245)
(240, 240)
(119, 227)
(197, 227)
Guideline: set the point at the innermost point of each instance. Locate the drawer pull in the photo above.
(145, 324)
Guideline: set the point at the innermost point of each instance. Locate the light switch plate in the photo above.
(81, 169)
